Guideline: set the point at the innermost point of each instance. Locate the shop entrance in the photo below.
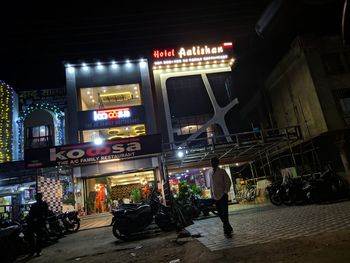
(107, 192)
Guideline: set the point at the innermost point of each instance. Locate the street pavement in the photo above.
(252, 224)
(263, 224)
(95, 221)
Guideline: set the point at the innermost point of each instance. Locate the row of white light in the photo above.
(215, 62)
(100, 65)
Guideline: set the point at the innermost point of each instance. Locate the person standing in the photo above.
(220, 184)
(36, 222)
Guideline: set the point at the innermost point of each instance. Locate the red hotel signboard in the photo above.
(89, 153)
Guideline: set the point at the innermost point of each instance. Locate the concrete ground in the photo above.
(317, 233)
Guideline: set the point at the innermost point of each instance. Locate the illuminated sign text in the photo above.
(111, 114)
(193, 54)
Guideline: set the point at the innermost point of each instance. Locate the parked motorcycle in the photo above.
(328, 186)
(13, 241)
(135, 219)
(70, 220)
(321, 187)
(203, 205)
(274, 193)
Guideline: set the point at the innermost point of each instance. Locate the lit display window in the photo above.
(114, 133)
(110, 96)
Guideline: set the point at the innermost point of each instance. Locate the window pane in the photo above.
(110, 96)
(36, 132)
(115, 133)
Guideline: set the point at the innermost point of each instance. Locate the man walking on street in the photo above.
(36, 222)
(220, 184)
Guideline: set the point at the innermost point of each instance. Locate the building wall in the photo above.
(104, 75)
(329, 63)
(293, 94)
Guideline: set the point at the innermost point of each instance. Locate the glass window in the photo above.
(38, 136)
(114, 133)
(110, 96)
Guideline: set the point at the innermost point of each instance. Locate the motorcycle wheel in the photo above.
(275, 198)
(117, 233)
(75, 226)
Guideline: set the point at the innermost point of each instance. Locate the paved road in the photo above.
(261, 224)
(268, 223)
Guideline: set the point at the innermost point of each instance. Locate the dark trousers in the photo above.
(222, 207)
(36, 238)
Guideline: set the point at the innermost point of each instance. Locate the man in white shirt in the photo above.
(220, 184)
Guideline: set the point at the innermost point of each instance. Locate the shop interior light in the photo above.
(237, 164)
(83, 64)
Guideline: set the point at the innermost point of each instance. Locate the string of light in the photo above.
(6, 111)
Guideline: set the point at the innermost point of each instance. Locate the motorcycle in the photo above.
(328, 186)
(274, 193)
(70, 220)
(13, 241)
(135, 219)
(203, 205)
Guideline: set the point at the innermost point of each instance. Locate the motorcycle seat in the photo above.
(137, 210)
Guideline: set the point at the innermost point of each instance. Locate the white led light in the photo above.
(180, 154)
(98, 141)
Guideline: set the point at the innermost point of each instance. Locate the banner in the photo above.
(89, 153)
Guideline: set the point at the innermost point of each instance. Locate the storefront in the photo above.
(195, 101)
(117, 170)
(17, 189)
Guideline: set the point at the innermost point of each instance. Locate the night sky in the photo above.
(37, 40)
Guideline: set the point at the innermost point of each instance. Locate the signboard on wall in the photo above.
(190, 54)
(89, 153)
(113, 117)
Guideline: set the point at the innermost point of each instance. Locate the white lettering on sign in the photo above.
(111, 114)
(200, 51)
(94, 151)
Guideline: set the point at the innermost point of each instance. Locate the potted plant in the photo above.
(135, 195)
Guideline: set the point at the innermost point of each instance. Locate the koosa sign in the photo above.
(91, 153)
(95, 154)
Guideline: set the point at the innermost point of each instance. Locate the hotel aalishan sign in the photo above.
(197, 53)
